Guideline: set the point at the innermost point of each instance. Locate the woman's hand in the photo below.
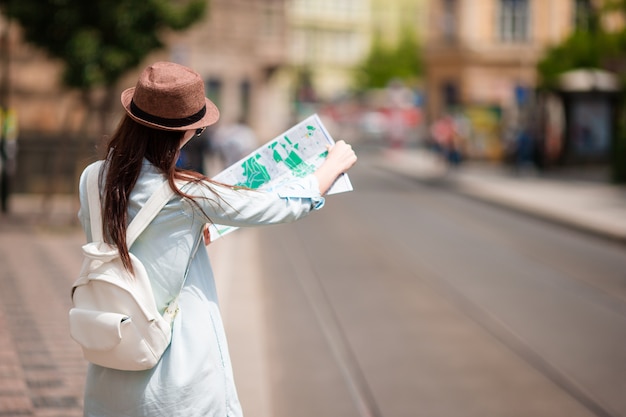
(340, 158)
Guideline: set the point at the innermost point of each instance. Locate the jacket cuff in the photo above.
(305, 188)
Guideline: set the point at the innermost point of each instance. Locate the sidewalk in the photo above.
(36, 211)
(589, 206)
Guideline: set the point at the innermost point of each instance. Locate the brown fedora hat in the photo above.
(169, 96)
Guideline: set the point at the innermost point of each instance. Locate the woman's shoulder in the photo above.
(94, 165)
(83, 176)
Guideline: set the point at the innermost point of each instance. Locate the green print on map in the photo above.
(256, 174)
(285, 151)
(287, 157)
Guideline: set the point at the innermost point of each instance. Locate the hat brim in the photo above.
(210, 117)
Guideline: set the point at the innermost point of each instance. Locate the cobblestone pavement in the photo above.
(41, 368)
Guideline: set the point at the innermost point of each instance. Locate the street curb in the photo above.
(448, 181)
(544, 215)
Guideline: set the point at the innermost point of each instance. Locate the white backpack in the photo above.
(115, 318)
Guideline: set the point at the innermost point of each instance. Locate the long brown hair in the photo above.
(126, 150)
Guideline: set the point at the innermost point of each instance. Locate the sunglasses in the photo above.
(200, 131)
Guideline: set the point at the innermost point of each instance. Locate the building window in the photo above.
(514, 20)
(450, 94)
(213, 87)
(583, 15)
(342, 47)
(244, 97)
(270, 21)
(449, 20)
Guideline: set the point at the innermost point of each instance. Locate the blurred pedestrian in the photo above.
(8, 155)
(192, 156)
(234, 141)
(399, 102)
(164, 111)
(447, 139)
(524, 149)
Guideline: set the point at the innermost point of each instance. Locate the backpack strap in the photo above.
(93, 196)
(147, 213)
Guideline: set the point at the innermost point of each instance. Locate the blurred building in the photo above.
(481, 55)
(237, 48)
(390, 17)
(265, 61)
(327, 38)
(274, 61)
(258, 58)
(240, 50)
(34, 89)
(47, 116)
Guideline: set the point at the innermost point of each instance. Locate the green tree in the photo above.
(99, 41)
(384, 63)
(580, 50)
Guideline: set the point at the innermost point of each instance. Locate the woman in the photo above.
(165, 110)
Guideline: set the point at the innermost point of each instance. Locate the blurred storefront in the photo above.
(481, 58)
(590, 99)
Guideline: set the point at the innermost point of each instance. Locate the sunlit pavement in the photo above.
(41, 368)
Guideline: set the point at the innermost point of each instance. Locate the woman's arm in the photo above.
(242, 207)
(340, 158)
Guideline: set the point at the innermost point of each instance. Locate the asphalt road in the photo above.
(402, 299)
